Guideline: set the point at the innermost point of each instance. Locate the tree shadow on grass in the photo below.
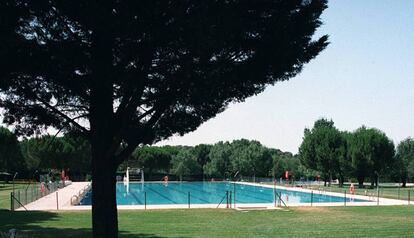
(29, 223)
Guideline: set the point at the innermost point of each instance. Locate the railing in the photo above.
(21, 197)
(75, 199)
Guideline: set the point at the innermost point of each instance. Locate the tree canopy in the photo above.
(250, 157)
(69, 152)
(11, 159)
(324, 149)
(152, 158)
(371, 152)
(129, 73)
(404, 160)
(185, 163)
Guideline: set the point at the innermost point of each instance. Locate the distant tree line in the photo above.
(361, 155)
(223, 160)
(364, 154)
(44, 154)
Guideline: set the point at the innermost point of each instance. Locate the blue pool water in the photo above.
(207, 193)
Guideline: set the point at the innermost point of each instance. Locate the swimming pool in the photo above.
(155, 193)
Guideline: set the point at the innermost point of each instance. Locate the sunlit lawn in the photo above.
(5, 190)
(373, 221)
(395, 221)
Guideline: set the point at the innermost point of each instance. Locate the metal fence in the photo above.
(317, 187)
(21, 197)
(227, 197)
(228, 200)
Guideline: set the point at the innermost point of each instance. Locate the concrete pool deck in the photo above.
(49, 202)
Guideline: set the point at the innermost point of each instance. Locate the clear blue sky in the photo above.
(364, 77)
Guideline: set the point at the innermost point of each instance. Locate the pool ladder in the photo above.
(75, 199)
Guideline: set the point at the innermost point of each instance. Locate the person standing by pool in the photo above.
(352, 189)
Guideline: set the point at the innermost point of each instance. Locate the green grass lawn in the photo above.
(395, 221)
(5, 190)
(373, 221)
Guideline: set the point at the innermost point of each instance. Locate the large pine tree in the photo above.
(127, 73)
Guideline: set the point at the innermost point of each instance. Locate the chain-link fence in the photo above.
(21, 197)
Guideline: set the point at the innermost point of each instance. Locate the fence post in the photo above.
(398, 192)
(345, 198)
(311, 198)
(234, 194)
(11, 201)
(188, 199)
(57, 201)
(145, 200)
(280, 199)
(227, 199)
(378, 197)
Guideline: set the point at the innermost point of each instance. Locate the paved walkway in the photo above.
(48, 203)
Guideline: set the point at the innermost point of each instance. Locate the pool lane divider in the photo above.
(136, 198)
(167, 198)
(220, 190)
(247, 192)
(182, 192)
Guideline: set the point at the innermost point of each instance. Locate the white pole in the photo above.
(127, 175)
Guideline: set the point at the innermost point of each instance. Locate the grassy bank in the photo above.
(397, 221)
(375, 221)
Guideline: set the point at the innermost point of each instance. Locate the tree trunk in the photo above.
(103, 130)
(360, 182)
(104, 210)
(404, 183)
(341, 181)
(330, 179)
